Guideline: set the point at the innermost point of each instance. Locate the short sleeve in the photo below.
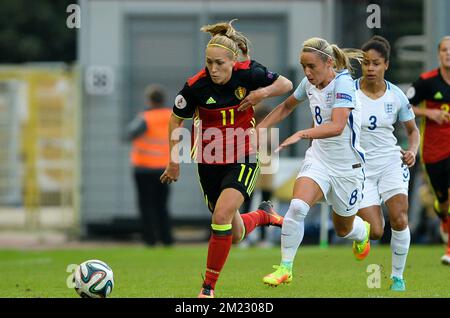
(416, 93)
(261, 76)
(344, 92)
(185, 105)
(405, 113)
(300, 91)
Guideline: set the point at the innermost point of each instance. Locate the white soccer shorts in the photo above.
(342, 193)
(393, 179)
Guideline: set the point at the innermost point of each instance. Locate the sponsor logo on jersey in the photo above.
(438, 95)
(240, 92)
(343, 96)
(210, 101)
(180, 102)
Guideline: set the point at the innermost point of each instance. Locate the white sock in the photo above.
(293, 230)
(399, 246)
(358, 232)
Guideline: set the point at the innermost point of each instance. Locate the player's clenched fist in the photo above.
(171, 173)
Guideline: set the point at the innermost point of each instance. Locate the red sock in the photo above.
(218, 249)
(254, 219)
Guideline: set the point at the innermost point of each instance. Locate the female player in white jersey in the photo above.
(386, 170)
(333, 166)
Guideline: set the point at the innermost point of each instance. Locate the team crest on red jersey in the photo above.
(240, 92)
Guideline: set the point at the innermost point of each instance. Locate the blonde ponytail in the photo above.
(341, 57)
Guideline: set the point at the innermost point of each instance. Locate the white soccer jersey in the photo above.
(377, 129)
(338, 154)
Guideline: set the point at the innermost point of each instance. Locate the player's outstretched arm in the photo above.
(172, 171)
(334, 128)
(281, 86)
(279, 113)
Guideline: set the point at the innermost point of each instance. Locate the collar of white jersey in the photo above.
(338, 74)
(341, 72)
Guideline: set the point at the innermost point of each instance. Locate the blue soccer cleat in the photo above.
(398, 284)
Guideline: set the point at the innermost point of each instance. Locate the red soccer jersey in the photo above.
(431, 91)
(222, 133)
(225, 134)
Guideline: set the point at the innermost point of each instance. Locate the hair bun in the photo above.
(380, 39)
(222, 28)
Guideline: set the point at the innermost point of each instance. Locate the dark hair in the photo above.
(379, 44)
(155, 94)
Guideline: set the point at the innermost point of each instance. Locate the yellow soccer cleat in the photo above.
(362, 249)
(282, 275)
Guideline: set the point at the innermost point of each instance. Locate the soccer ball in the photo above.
(93, 279)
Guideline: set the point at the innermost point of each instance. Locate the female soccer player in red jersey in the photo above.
(432, 92)
(221, 98)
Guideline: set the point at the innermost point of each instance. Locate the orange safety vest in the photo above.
(151, 149)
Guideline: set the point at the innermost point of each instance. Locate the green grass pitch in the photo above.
(176, 272)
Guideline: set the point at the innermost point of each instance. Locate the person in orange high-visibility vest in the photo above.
(149, 157)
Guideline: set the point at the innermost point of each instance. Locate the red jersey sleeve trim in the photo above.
(192, 80)
(430, 74)
(242, 65)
